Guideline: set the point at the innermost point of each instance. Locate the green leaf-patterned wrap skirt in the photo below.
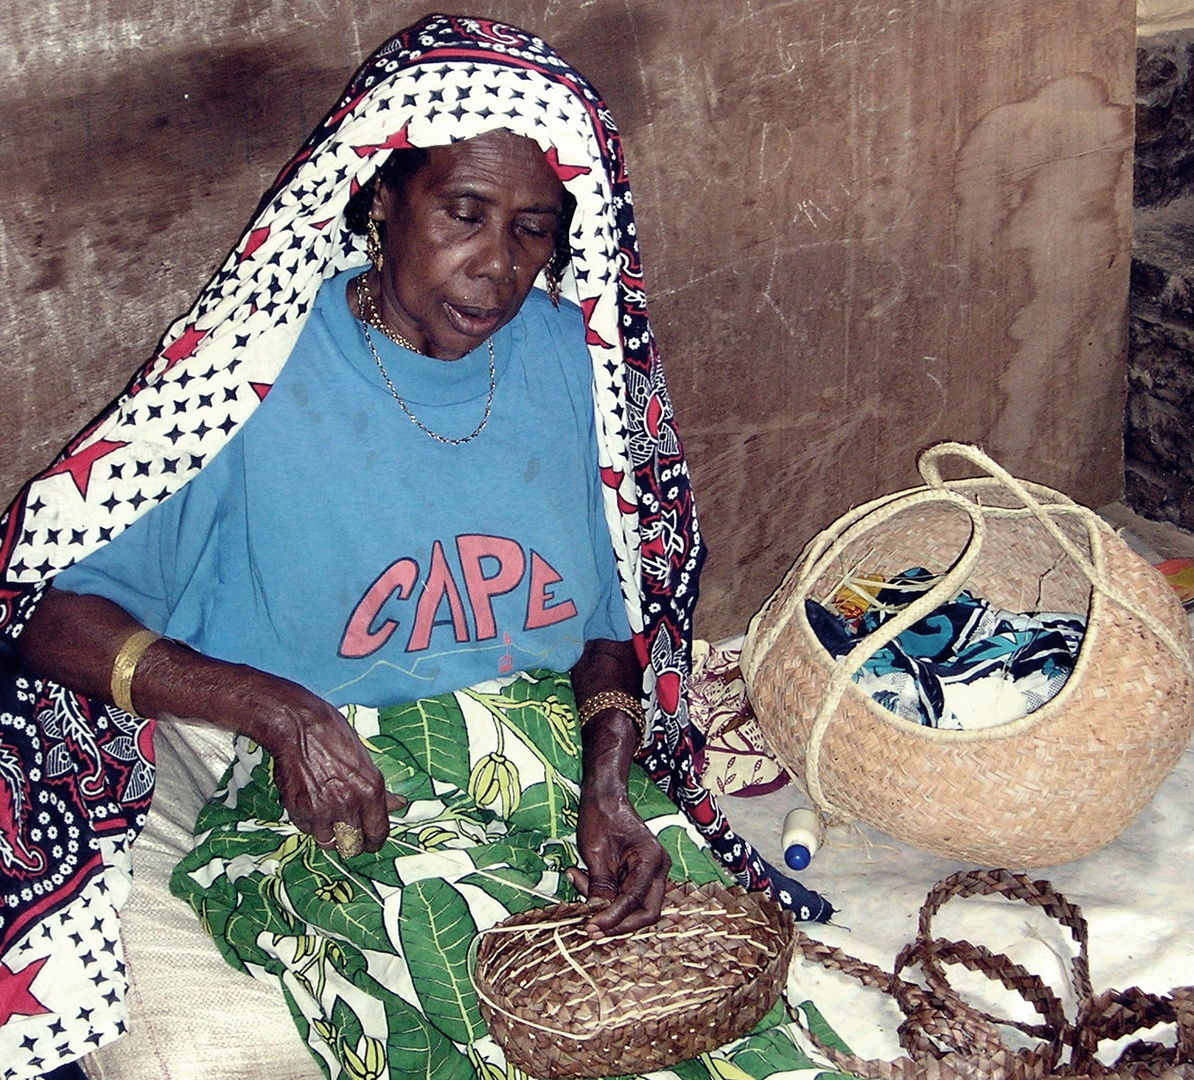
(372, 952)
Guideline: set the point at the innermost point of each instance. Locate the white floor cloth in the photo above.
(1136, 895)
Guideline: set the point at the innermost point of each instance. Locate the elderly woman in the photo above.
(414, 529)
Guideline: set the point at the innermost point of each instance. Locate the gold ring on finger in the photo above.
(349, 839)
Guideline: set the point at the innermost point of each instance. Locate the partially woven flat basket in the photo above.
(561, 1004)
(1052, 786)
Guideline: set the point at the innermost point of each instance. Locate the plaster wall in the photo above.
(866, 227)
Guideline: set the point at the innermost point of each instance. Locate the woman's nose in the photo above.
(498, 256)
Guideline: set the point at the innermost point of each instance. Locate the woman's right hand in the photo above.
(323, 771)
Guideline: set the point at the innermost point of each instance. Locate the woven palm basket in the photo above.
(1050, 787)
(561, 1004)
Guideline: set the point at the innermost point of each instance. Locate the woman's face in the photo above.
(464, 241)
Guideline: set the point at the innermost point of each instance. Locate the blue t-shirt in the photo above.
(334, 543)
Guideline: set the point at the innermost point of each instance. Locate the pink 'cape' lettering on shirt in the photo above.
(508, 569)
(539, 614)
(440, 584)
(511, 562)
(359, 639)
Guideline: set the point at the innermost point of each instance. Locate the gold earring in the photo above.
(373, 243)
(553, 286)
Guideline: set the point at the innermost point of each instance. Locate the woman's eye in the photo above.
(539, 227)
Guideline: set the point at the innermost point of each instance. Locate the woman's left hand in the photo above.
(627, 866)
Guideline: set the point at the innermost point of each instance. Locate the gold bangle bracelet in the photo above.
(125, 665)
(615, 699)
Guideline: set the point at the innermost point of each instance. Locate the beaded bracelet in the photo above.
(125, 665)
(615, 699)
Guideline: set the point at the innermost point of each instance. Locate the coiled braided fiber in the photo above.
(947, 1038)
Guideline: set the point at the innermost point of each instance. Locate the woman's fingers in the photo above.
(628, 912)
(323, 836)
(626, 866)
(395, 803)
(332, 790)
(375, 821)
(630, 897)
(331, 826)
(351, 824)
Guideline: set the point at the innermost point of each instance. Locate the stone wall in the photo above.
(1163, 16)
(1159, 419)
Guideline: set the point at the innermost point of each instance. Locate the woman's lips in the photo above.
(474, 321)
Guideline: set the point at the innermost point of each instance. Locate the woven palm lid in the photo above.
(1052, 786)
(561, 1004)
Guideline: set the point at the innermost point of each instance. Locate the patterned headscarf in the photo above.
(440, 81)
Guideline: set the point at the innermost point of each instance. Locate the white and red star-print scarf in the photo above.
(439, 81)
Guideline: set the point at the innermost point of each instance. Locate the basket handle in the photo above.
(927, 466)
(1045, 514)
(945, 589)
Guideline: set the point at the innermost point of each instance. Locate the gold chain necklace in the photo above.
(371, 317)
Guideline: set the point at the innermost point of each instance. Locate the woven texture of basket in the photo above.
(1052, 786)
(561, 1004)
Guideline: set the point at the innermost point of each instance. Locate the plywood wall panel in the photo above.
(866, 226)
(924, 237)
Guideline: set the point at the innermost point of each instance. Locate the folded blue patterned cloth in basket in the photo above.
(966, 665)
